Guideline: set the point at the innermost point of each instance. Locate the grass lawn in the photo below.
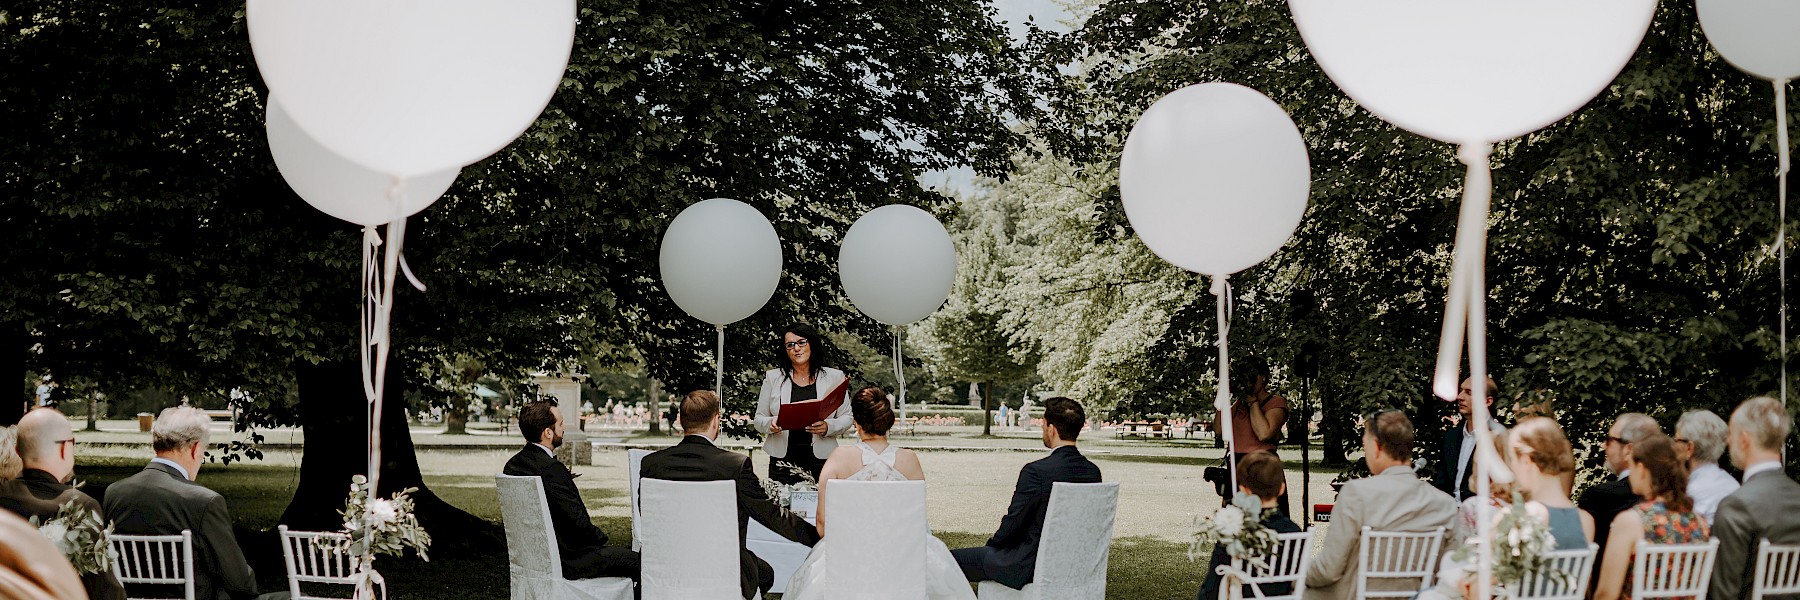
(968, 493)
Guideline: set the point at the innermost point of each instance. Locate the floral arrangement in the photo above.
(379, 526)
(1522, 545)
(783, 493)
(1238, 527)
(77, 532)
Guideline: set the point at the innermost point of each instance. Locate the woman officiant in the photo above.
(800, 375)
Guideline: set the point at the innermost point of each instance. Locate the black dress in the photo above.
(800, 443)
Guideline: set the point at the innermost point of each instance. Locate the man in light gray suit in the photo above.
(1767, 506)
(1393, 499)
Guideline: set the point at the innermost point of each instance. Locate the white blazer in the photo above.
(776, 390)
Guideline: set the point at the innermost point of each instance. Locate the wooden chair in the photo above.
(316, 557)
(1403, 561)
(166, 560)
(1672, 570)
(1777, 571)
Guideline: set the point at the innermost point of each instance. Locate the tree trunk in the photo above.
(1335, 428)
(987, 404)
(92, 404)
(655, 406)
(334, 423)
(456, 418)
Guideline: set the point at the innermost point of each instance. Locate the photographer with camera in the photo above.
(1257, 417)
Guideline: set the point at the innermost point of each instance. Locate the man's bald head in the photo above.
(46, 442)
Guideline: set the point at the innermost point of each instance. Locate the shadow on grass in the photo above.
(1139, 567)
(1291, 465)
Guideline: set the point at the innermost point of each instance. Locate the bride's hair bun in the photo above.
(872, 411)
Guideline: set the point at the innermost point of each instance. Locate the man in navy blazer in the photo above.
(582, 546)
(1010, 557)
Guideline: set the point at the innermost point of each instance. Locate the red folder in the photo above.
(798, 415)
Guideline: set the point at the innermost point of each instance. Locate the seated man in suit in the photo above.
(46, 445)
(1392, 499)
(581, 544)
(1606, 500)
(695, 458)
(163, 499)
(1010, 556)
(1766, 506)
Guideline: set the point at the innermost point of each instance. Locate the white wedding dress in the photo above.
(945, 580)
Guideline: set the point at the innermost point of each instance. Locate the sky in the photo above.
(1047, 14)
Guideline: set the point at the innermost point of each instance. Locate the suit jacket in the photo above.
(578, 541)
(1767, 506)
(1014, 560)
(1444, 476)
(697, 459)
(37, 493)
(159, 501)
(776, 389)
(1394, 500)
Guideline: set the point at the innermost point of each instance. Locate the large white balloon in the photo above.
(1214, 177)
(407, 87)
(1472, 71)
(720, 260)
(341, 188)
(897, 264)
(1760, 37)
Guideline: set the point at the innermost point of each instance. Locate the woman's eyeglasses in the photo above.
(796, 344)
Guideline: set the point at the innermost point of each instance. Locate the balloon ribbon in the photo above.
(1781, 137)
(1221, 289)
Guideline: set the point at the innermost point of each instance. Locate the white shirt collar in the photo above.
(1767, 465)
(178, 468)
(548, 451)
(1625, 474)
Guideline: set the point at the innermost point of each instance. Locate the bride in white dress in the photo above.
(874, 459)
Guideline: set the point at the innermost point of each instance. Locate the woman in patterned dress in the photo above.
(1666, 516)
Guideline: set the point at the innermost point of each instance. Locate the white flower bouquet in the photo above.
(379, 526)
(1238, 527)
(1522, 545)
(78, 534)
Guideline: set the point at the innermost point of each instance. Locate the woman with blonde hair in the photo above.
(1542, 461)
(10, 463)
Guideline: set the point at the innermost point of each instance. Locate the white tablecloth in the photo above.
(782, 554)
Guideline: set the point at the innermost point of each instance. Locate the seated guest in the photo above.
(1606, 500)
(1699, 442)
(695, 458)
(1393, 499)
(1466, 524)
(1260, 474)
(10, 465)
(1542, 462)
(1666, 516)
(1010, 556)
(582, 546)
(46, 449)
(1767, 507)
(163, 499)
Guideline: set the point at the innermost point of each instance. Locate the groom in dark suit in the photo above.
(1010, 557)
(697, 459)
(585, 554)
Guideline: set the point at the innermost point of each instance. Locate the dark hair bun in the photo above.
(872, 411)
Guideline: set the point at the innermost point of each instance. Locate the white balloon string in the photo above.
(410, 277)
(384, 308)
(1469, 278)
(1781, 137)
(719, 368)
(900, 372)
(1221, 290)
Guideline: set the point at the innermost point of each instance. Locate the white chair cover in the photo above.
(783, 555)
(154, 559)
(1396, 564)
(1777, 571)
(1072, 554)
(534, 563)
(634, 462)
(1293, 553)
(1672, 570)
(878, 533)
(310, 560)
(690, 540)
(1575, 566)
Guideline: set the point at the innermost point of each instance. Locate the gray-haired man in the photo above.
(164, 500)
(1768, 504)
(1700, 438)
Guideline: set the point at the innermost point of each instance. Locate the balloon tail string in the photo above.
(719, 367)
(1781, 137)
(900, 372)
(383, 345)
(1221, 289)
